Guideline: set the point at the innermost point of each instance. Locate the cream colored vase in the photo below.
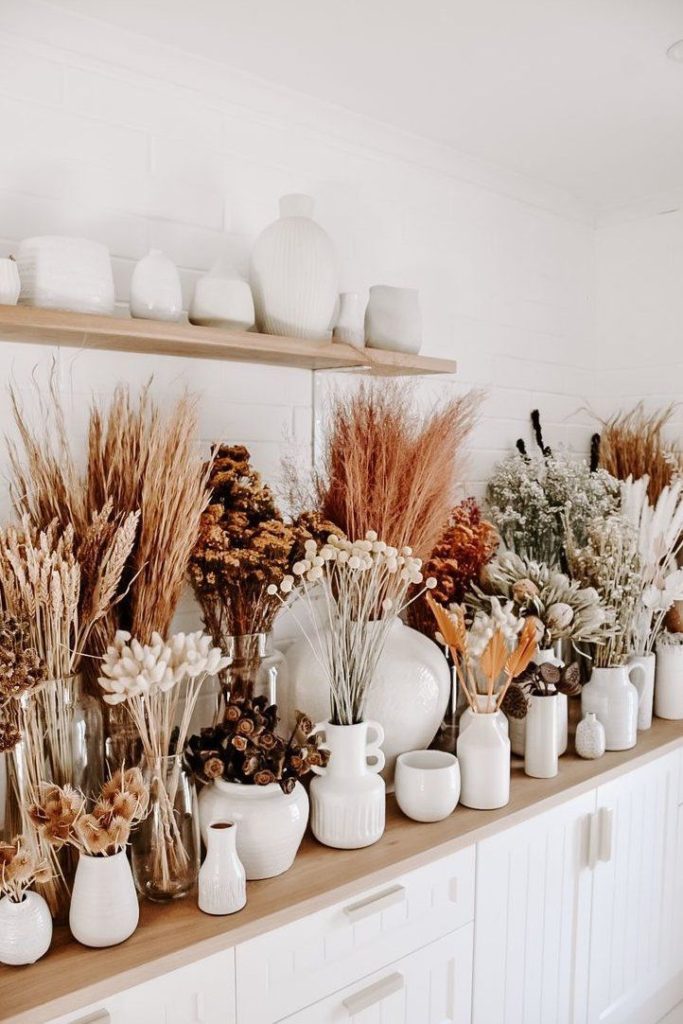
(669, 681)
(222, 878)
(613, 698)
(104, 905)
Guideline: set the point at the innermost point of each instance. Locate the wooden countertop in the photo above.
(70, 976)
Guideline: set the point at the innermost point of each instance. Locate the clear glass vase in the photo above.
(165, 848)
(257, 669)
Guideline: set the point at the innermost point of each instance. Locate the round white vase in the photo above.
(613, 698)
(427, 784)
(155, 292)
(348, 797)
(484, 757)
(270, 823)
(393, 320)
(590, 737)
(10, 285)
(349, 326)
(541, 749)
(25, 930)
(669, 681)
(222, 878)
(294, 274)
(642, 673)
(222, 298)
(104, 905)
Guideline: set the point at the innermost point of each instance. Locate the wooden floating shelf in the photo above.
(156, 337)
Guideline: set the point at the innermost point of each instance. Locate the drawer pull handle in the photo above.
(373, 994)
(101, 1017)
(375, 904)
(606, 820)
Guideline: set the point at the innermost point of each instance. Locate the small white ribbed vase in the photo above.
(104, 904)
(348, 796)
(590, 737)
(25, 930)
(613, 698)
(541, 749)
(222, 878)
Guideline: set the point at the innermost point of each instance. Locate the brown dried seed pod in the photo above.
(550, 674)
(515, 702)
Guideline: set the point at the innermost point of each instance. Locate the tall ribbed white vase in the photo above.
(222, 878)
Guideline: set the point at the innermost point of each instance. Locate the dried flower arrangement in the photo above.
(632, 445)
(670, 639)
(22, 673)
(364, 585)
(467, 543)
(540, 681)
(21, 867)
(63, 817)
(245, 747)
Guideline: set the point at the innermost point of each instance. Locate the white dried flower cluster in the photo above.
(131, 669)
(501, 616)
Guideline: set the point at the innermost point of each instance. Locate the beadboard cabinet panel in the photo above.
(306, 961)
(431, 986)
(532, 920)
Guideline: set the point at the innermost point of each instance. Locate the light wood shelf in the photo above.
(155, 337)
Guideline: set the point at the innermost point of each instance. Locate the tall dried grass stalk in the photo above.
(631, 444)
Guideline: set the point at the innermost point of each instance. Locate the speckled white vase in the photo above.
(294, 274)
(155, 292)
(25, 930)
(270, 823)
(613, 698)
(669, 681)
(104, 904)
(590, 737)
(222, 878)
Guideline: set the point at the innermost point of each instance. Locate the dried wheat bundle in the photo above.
(632, 445)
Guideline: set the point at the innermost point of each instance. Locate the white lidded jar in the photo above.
(104, 904)
(484, 756)
(222, 878)
(155, 292)
(541, 748)
(25, 929)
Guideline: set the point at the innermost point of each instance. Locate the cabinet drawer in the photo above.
(293, 966)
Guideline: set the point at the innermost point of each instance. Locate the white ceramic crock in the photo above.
(66, 273)
(222, 878)
(393, 320)
(427, 784)
(25, 930)
(104, 905)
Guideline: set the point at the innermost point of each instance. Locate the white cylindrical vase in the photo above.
(613, 698)
(669, 681)
(541, 750)
(104, 905)
(641, 670)
(25, 930)
(222, 878)
(393, 320)
(484, 757)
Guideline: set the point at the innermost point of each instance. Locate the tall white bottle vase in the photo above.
(222, 878)
(541, 749)
(155, 292)
(669, 681)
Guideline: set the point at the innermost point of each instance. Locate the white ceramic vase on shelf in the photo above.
(270, 823)
(348, 796)
(484, 757)
(294, 274)
(155, 292)
(393, 320)
(222, 298)
(669, 681)
(518, 725)
(10, 285)
(25, 930)
(104, 905)
(349, 326)
(642, 673)
(66, 273)
(484, 703)
(427, 784)
(613, 698)
(222, 878)
(590, 737)
(541, 749)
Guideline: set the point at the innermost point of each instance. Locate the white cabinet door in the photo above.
(532, 914)
(634, 951)
(432, 986)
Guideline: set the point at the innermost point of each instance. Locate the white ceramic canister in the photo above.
(642, 673)
(541, 750)
(590, 737)
(104, 904)
(612, 697)
(427, 784)
(155, 292)
(484, 757)
(10, 285)
(393, 320)
(669, 681)
(222, 878)
(25, 930)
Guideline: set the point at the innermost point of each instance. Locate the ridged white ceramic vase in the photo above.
(270, 823)
(222, 878)
(25, 930)
(484, 758)
(348, 796)
(642, 672)
(612, 697)
(669, 681)
(10, 285)
(155, 292)
(104, 905)
(541, 749)
(294, 274)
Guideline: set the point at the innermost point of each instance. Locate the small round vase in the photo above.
(393, 320)
(669, 681)
(104, 905)
(541, 749)
(590, 737)
(427, 784)
(349, 326)
(155, 292)
(222, 298)
(348, 796)
(25, 930)
(222, 878)
(484, 758)
(10, 285)
(613, 698)
(642, 673)
(270, 823)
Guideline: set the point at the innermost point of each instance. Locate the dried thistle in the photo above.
(632, 445)
(20, 868)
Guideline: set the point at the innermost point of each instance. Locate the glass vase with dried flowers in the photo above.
(104, 907)
(254, 778)
(25, 919)
(159, 684)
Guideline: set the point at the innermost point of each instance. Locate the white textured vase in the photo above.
(270, 823)
(104, 905)
(408, 695)
(393, 320)
(642, 674)
(613, 698)
(10, 285)
(349, 326)
(25, 930)
(58, 272)
(669, 681)
(294, 274)
(348, 796)
(222, 878)
(155, 292)
(222, 298)
(484, 758)
(590, 737)
(541, 749)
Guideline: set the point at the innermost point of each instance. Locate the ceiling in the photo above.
(576, 93)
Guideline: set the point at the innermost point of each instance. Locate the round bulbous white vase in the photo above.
(642, 673)
(590, 737)
(104, 904)
(222, 298)
(270, 823)
(541, 749)
(10, 284)
(294, 274)
(222, 878)
(348, 797)
(612, 697)
(155, 292)
(484, 758)
(393, 320)
(518, 725)
(669, 681)
(25, 930)
(408, 695)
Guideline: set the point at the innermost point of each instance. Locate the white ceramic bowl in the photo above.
(427, 784)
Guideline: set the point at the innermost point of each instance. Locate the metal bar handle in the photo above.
(373, 994)
(375, 904)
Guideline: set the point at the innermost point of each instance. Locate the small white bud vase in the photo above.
(427, 784)
(10, 285)
(393, 320)
(541, 750)
(484, 756)
(590, 737)
(25, 930)
(222, 878)
(104, 905)
(642, 672)
(669, 681)
(613, 698)
(155, 292)
(348, 796)
(349, 327)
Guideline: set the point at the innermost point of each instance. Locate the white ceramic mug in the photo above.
(427, 784)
